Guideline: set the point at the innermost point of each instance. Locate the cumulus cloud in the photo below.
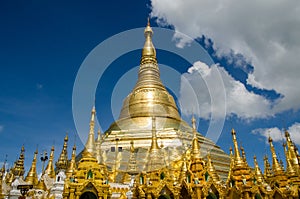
(207, 90)
(277, 134)
(265, 32)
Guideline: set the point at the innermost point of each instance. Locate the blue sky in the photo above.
(43, 45)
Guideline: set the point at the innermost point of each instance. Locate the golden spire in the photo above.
(41, 185)
(211, 169)
(243, 153)
(291, 151)
(237, 157)
(289, 168)
(98, 148)
(195, 143)
(257, 172)
(183, 169)
(268, 171)
(155, 159)
(18, 169)
(32, 175)
(50, 168)
(90, 143)
(231, 165)
(275, 164)
(148, 52)
(132, 168)
(62, 162)
(154, 145)
(149, 96)
(72, 166)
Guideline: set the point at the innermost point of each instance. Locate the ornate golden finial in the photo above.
(50, 168)
(132, 167)
(275, 164)
(72, 166)
(244, 155)
(154, 145)
(291, 151)
(148, 52)
(155, 158)
(211, 169)
(148, 23)
(289, 167)
(62, 162)
(268, 170)
(183, 169)
(18, 169)
(4, 165)
(99, 138)
(231, 166)
(237, 157)
(90, 143)
(195, 142)
(98, 148)
(31, 177)
(257, 172)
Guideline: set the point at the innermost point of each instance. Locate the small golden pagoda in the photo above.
(90, 180)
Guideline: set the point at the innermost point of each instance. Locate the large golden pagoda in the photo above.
(149, 98)
(151, 153)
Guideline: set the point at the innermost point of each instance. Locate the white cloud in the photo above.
(1, 128)
(200, 88)
(265, 32)
(294, 131)
(277, 134)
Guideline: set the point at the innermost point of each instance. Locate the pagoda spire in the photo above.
(18, 169)
(237, 157)
(268, 171)
(154, 145)
(90, 143)
(291, 151)
(149, 74)
(132, 168)
(72, 166)
(231, 165)
(195, 142)
(32, 174)
(243, 154)
(155, 158)
(211, 169)
(62, 162)
(289, 168)
(258, 174)
(149, 97)
(50, 168)
(98, 148)
(275, 164)
(148, 52)
(183, 169)
(2, 171)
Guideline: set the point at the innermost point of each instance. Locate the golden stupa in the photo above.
(149, 98)
(151, 153)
